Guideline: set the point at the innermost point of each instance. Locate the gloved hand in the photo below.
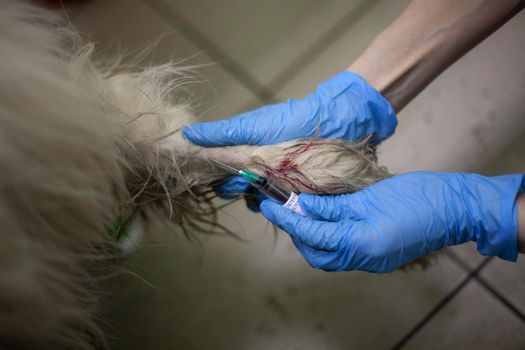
(234, 186)
(344, 107)
(404, 217)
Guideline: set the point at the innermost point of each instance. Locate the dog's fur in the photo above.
(83, 143)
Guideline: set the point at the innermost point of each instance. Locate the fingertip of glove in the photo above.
(268, 209)
(193, 133)
(233, 184)
(265, 206)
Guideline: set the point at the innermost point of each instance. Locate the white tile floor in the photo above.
(268, 42)
(261, 294)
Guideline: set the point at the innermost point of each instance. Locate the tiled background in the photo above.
(260, 294)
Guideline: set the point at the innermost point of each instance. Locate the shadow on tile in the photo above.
(123, 26)
(473, 320)
(263, 37)
(261, 294)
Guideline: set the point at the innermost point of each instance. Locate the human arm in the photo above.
(424, 40)
(520, 205)
(405, 217)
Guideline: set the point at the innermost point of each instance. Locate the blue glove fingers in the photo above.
(316, 234)
(267, 125)
(232, 187)
(354, 109)
(235, 186)
(214, 134)
(345, 107)
(333, 208)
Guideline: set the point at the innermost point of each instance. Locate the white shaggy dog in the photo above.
(85, 145)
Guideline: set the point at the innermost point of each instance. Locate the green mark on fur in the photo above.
(119, 230)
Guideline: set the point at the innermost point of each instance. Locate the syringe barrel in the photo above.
(276, 194)
(289, 200)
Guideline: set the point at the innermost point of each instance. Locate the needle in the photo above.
(287, 199)
(225, 167)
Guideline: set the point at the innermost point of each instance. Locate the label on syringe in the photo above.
(293, 204)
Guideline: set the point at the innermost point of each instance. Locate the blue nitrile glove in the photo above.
(344, 107)
(404, 217)
(234, 186)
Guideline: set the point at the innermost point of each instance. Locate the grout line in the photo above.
(446, 299)
(264, 93)
(198, 38)
(432, 313)
(491, 289)
(254, 104)
(481, 265)
(500, 297)
(458, 260)
(313, 51)
(320, 45)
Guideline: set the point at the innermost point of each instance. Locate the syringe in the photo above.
(287, 199)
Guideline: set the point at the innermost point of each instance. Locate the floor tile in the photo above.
(341, 54)
(263, 36)
(507, 278)
(473, 320)
(129, 25)
(261, 294)
(510, 160)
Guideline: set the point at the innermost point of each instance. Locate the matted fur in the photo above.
(83, 143)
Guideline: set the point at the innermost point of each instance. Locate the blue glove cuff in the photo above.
(499, 236)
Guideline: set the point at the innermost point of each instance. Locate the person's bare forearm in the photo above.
(520, 204)
(424, 40)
